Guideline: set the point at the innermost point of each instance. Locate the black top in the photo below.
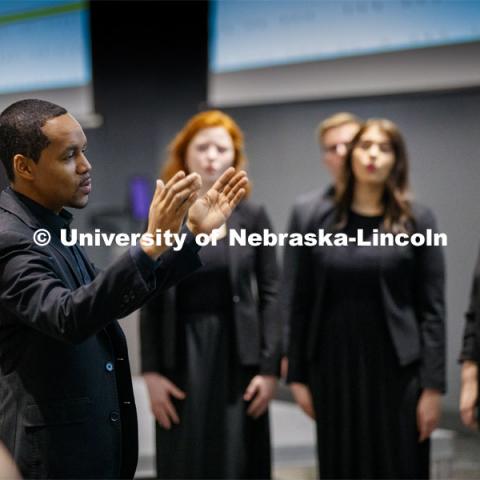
(353, 310)
(46, 217)
(365, 402)
(209, 289)
(367, 223)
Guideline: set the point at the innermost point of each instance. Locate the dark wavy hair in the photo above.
(396, 197)
(21, 130)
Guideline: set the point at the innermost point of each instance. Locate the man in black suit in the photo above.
(66, 401)
(334, 136)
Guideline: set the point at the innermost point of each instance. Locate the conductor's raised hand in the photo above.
(169, 206)
(213, 209)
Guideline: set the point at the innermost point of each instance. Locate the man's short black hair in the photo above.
(21, 130)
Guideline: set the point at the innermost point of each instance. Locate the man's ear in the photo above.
(22, 167)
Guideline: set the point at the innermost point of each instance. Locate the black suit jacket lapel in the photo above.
(10, 203)
(60, 248)
(89, 266)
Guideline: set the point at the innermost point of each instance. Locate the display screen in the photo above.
(260, 35)
(45, 47)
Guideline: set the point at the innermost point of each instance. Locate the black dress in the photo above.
(365, 402)
(215, 437)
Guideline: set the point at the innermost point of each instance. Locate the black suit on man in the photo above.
(66, 400)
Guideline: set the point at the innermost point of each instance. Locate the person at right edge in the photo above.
(367, 323)
(470, 356)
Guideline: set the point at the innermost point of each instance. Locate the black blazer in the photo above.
(254, 279)
(471, 333)
(412, 284)
(66, 401)
(304, 208)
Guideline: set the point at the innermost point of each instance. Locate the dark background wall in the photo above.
(149, 67)
(150, 75)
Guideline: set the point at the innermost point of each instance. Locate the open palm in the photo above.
(213, 209)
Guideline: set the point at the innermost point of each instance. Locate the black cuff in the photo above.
(144, 263)
(466, 358)
(190, 242)
(147, 265)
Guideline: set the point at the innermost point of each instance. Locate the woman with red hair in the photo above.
(211, 346)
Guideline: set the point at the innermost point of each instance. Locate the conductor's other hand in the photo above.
(160, 391)
(169, 206)
(213, 209)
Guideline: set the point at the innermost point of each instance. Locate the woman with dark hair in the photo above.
(367, 351)
(210, 347)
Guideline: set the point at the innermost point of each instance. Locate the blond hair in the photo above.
(334, 121)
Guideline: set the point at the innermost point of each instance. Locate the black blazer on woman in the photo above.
(412, 283)
(254, 279)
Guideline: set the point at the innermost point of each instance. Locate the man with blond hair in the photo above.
(334, 135)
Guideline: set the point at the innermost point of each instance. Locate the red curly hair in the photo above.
(177, 149)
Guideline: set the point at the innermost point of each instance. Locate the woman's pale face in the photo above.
(373, 157)
(210, 153)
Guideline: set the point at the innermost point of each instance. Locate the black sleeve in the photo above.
(430, 308)
(470, 341)
(152, 319)
(290, 264)
(300, 312)
(34, 293)
(267, 277)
